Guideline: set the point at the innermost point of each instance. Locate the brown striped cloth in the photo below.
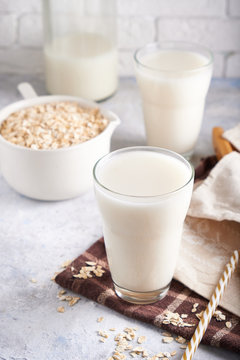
(179, 298)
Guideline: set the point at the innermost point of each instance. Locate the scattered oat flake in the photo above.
(175, 320)
(194, 308)
(66, 263)
(133, 354)
(183, 346)
(122, 344)
(73, 300)
(33, 280)
(87, 271)
(91, 263)
(100, 319)
(141, 339)
(61, 292)
(128, 337)
(103, 334)
(180, 340)
(199, 315)
(102, 339)
(128, 347)
(167, 339)
(166, 334)
(97, 273)
(138, 349)
(120, 348)
(184, 316)
(80, 276)
(228, 324)
(61, 309)
(118, 357)
(167, 354)
(219, 315)
(54, 276)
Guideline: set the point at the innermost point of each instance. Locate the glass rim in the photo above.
(176, 43)
(154, 149)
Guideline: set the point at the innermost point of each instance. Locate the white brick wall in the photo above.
(155, 8)
(7, 30)
(234, 7)
(221, 35)
(233, 65)
(30, 30)
(20, 6)
(21, 61)
(135, 31)
(213, 23)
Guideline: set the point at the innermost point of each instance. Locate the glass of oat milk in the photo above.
(173, 78)
(80, 47)
(143, 194)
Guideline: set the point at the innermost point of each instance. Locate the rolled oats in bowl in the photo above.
(53, 125)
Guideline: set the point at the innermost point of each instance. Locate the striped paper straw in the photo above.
(213, 303)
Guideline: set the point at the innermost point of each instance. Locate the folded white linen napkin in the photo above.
(218, 196)
(212, 230)
(233, 136)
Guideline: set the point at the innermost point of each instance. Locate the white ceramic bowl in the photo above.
(53, 174)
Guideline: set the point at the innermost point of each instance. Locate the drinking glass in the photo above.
(173, 79)
(142, 229)
(80, 47)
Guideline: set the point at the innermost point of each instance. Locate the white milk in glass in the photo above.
(173, 86)
(142, 214)
(83, 64)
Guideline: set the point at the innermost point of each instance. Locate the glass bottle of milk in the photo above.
(80, 47)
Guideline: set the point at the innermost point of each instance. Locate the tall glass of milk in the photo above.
(80, 50)
(143, 194)
(173, 78)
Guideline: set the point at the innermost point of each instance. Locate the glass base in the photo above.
(106, 98)
(188, 155)
(136, 297)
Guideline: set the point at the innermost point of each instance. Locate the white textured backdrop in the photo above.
(213, 23)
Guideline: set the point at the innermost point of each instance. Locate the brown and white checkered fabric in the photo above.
(178, 299)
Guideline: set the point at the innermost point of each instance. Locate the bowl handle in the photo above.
(26, 90)
(115, 121)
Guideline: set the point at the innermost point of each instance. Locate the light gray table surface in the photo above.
(37, 237)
